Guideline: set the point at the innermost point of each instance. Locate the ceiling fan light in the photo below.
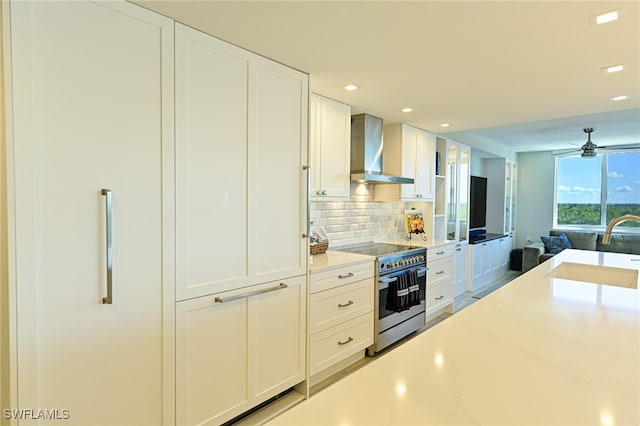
(588, 153)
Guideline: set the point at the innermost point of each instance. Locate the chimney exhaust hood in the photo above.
(366, 151)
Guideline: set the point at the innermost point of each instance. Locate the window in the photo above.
(592, 191)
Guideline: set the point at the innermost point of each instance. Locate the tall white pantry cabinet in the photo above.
(240, 215)
(152, 224)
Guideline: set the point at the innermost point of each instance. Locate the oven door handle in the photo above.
(384, 282)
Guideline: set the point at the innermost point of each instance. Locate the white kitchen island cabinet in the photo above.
(89, 138)
(241, 132)
(238, 349)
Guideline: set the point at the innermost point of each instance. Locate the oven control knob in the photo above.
(390, 265)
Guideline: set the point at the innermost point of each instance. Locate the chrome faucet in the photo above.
(607, 234)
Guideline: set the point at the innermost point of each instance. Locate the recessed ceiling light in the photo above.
(612, 69)
(603, 18)
(619, 98)
(445, 125)
(351, 87)
(407, 109)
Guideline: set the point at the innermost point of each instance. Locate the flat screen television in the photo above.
(478, 202)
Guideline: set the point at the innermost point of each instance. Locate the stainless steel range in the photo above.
(400, 300)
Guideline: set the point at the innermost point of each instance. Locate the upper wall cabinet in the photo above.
(330, 151)
(408, 152)
(241, 130)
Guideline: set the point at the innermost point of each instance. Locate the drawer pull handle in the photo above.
(340, 305)
(349, 275)
(249, 294)
(439, 297)
(440, 252)
(458, 249)
(349, 340)
(439, 272)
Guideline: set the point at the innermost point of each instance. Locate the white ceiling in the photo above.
(523, 74)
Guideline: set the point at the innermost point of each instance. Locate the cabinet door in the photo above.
(315, 145)
(211, 164)
(212, 383)
(477, 264)
(461, 268)
(91, 82)
(236, 349)
(336, 149)
(278, 105)
(409, 159)
(425, 164)
(463, 192)
(277, 339)
(330, 148)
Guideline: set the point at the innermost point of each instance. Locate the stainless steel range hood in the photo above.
(367, 150)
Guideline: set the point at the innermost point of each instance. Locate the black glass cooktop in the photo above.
(377, 249)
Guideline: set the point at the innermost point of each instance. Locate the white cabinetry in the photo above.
(408, 152)
(441, 262)
(502, 189)
(241, 199)
(329, 148)
(451, 219)
(90, 110)
(240, 188)
(237, 349)
(462, 257)
(489, 260)
(341, 315)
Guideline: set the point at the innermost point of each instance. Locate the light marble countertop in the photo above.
(538, 351)
(336, 259)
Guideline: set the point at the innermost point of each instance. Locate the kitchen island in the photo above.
(538, 351)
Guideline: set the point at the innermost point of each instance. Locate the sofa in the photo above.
(535, 253)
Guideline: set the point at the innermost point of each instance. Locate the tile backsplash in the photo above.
(359, 220)
(349, 223)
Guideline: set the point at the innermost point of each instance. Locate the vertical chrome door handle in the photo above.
(109, 237)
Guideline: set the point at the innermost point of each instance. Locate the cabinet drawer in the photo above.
(441, 270)
(440, 252)
(337, 277)
(439, 295)
(337, 343)
(332, 307)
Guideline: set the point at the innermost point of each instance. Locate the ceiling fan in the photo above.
(589, 148)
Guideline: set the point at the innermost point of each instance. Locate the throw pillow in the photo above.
(555, 245)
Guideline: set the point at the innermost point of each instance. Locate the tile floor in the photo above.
(459, 303)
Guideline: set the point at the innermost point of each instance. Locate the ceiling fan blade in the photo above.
(566, 153)
(618, 147)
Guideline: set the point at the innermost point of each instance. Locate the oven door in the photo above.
(387, 318)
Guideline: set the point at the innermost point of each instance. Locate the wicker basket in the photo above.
(318, 248)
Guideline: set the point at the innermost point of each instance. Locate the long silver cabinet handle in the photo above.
(349, 275)
(248, 294)
(109, 234)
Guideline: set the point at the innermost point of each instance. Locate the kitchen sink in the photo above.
(596, 274)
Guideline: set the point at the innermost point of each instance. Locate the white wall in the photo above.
(535, 196)
(477, 166)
